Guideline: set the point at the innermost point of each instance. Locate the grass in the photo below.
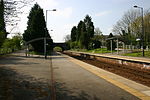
(138, 54)
(35, 53)
(99, 50)
(104, 50)
(39, 53)
(5, 51)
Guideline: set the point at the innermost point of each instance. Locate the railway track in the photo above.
(136, 74)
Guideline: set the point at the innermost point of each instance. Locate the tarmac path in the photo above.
(58, 78)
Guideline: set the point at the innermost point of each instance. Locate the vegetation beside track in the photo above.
(138, 54)
(98, 50)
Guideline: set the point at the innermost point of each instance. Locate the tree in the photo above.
(73, 34)
(79, 27)
(17, 41)
(128, 27)
(13, 9)
(2, 21)
(89, 26)
(13, 44)
(67, 38)
(108, 42)
(97, 31)
(36, 28)
(83, 38)
(147, 28)
(3, 33)
(68, 41)
(125, 23)
(82, 35)
(98, 36)
(89, 34)
(9, 10)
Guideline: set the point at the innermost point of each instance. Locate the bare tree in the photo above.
(67, 38)
(13, 9)
(128, 26)
(147, 27)
(125, 23)
(97, 31)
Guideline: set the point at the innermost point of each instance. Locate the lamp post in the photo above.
(45, 34)
(142, 35)
(46, 14)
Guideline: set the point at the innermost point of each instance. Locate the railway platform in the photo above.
(139, 90)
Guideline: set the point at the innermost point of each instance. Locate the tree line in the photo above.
(129, 27)
(9, 11)
(82, 34)
(128, 30)
(86, 36)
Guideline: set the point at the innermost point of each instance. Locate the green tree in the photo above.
(89, 34)
(17, 41)
(82, 35)
(89, 26)
(108, 42)
(3, 33)
(73, 34)
(36, 28)
(98, 37)
(68, 41)
(83, 38)
(79, 27)
(95, 44)
(13, 44)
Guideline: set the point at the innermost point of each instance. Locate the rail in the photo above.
(140, 60)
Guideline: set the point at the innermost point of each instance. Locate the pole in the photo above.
(26, 49)
(111, 46)
(45, 47)
(46, 17)
(45, 38)
(45, 52)
(123, 47)
(143, 35)
(117, 46)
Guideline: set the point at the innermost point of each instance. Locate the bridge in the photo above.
(62, 45)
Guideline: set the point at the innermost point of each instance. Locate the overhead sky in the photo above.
(104, 13)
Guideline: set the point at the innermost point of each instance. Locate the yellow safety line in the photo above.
(118, 84)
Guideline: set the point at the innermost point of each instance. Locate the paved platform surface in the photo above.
(24, 78)
(77, 83)
(139, 90)
(30, 79)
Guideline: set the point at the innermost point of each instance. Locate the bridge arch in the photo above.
(61, 45)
